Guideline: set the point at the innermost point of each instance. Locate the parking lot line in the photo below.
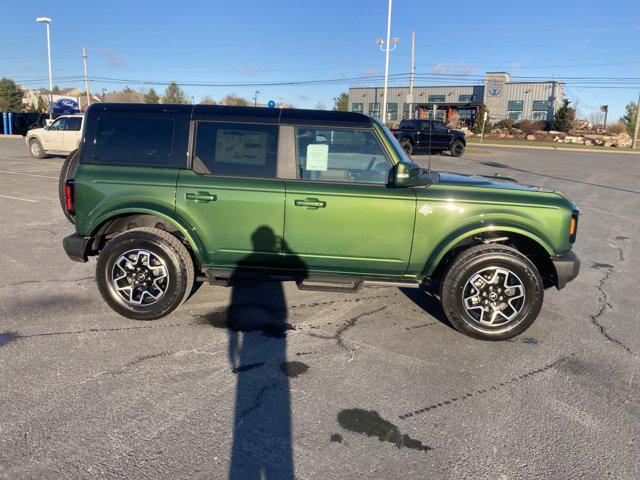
(29, 174)
(17, 198)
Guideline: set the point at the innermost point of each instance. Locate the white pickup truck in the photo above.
(60, 137)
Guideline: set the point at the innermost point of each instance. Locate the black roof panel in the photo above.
(291, 116)
(298, 116)
(235, 113)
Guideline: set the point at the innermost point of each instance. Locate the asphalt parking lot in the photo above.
(367, 385)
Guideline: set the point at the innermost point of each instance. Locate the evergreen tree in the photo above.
(341, 102)
(10, 96)
(151, 96)
(629, 118)
(174, 94)
(478, 126)
(564, 118)
(56, 90)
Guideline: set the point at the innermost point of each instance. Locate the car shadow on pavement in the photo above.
(427, 302)
(257, 351)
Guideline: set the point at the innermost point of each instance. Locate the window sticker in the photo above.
(241, 146)
(317, 157)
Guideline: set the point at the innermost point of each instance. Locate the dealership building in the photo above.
(459, 104)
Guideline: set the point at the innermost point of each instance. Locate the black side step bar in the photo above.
(331, 283)
(318, 282)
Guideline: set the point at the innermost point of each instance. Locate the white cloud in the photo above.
(453, 69)
(112, 57)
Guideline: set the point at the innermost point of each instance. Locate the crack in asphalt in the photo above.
(99, 330)
(349, 300)
(338, 334)
(264, 388)
(482, 391)
(54, 280)
(604, 299)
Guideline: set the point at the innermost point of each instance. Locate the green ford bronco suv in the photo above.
(171, 195)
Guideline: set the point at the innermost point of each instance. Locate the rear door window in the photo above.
(236, 150)
(140, 140)
(73, 124)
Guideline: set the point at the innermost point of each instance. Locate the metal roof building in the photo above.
(459, 104)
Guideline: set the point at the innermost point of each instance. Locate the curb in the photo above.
(555, 149)
(10, 136)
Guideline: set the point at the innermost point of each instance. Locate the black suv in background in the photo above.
(431, 135)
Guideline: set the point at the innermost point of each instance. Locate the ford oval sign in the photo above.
(64, 105)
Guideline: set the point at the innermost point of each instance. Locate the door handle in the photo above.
(201, 197)
(310, 203)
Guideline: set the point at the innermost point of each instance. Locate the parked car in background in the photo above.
(60, 137)
(431, 135)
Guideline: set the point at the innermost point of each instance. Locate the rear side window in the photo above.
(73, 124)
(139, 140)
(236, 150)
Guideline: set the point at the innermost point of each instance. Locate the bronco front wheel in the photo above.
(492, 292)
(144, 273)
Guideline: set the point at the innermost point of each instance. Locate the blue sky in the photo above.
(274, 40)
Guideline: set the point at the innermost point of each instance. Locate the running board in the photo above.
(330, 283)
(318, 282)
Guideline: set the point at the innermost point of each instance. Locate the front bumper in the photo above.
(567, 268)
(76, 247)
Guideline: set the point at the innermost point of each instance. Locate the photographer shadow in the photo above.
(257, 350)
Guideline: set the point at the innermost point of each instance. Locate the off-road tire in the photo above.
(406, 145)
(164, 245)
(475, 259)
(35, 144)
(67, 172)
(457, 148)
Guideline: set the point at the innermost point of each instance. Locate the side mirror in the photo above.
(407, 175)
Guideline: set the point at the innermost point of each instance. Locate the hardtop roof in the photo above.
(291, 116)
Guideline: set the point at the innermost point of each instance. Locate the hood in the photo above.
(458, 133)
(458, 179)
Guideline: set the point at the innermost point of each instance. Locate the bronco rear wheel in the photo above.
(144, 273)
(492, 292)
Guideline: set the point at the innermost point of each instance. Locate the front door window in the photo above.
(340, 155)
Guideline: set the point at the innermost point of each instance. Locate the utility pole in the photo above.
(637, 125)
(86, 79)
(255, 98)
(387, 49)
(411, 69)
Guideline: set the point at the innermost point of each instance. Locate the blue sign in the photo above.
(65, 106)
(271, 104)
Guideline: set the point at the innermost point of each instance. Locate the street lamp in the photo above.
(255, 98)
(47, 20)
(387, 49)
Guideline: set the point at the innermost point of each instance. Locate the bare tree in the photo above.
(208, 100)
(233, 99)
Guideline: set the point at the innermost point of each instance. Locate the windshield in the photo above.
(394, 142)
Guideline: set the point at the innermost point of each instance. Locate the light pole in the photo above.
(387, 49)
(255, 98)
(47, 20)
